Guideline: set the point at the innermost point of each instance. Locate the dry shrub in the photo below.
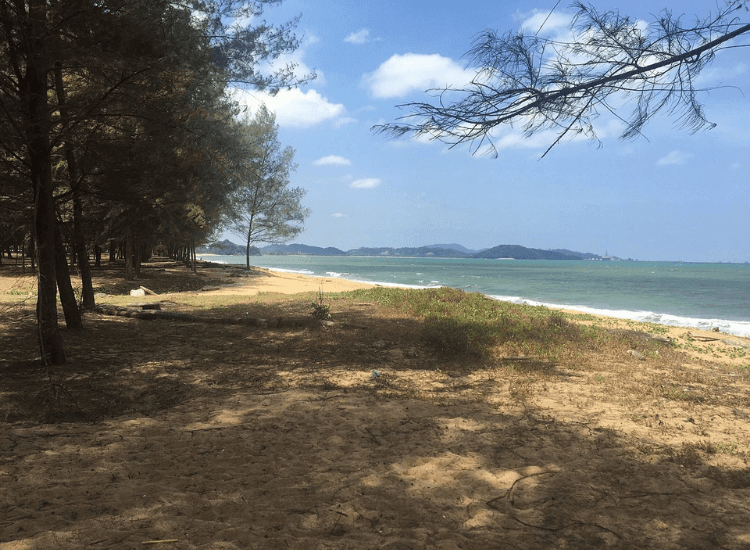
(688, 454)
(447, 336)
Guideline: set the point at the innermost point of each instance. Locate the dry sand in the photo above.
(265, 280)
(193, 436)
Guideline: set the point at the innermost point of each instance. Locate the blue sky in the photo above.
(669, 196)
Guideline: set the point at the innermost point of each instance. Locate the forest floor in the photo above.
(357, 433)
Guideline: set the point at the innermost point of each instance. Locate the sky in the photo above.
(669, 195)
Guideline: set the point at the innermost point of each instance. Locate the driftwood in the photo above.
(151, 311)
(692, 336)
(151, 314)
(641, 335)
(146, 305)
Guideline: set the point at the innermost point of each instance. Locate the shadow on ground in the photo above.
(237, 437)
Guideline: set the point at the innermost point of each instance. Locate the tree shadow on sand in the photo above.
(235, 437)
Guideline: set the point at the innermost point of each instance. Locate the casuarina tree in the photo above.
(539, 83)
(69, 71)
(265, 209)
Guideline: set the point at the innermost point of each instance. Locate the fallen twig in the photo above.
(375, 439)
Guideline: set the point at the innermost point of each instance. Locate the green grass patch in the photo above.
(459, 323)
(726, 448)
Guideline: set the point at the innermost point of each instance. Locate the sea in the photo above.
(697, 295)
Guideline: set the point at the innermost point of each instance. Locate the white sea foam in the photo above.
(400, 285)
(300, 271)
(209, 259)
(738, 328)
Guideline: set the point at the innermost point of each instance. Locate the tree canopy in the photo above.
(539, 83)
(265, 208)
(115, 126)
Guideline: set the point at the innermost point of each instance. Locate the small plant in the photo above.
(321, 311)
(728, 448)
(687, 455)
(18, 292)
(446, 336)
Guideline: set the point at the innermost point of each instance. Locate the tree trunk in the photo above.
(87, 285)
(79, 242)
(192, 255)
(129, 257)
(40, 163)
(67, 295)
(44, 225)
(112, 250)
(137, 261)
(247, 249)
(97, 256)
(32, 252)
(73, 256)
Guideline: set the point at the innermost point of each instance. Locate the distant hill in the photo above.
(301, 249)
(453, 246)
(420, 252)
(226, 248)
(522, 253)
(583, 255)
(514, 251)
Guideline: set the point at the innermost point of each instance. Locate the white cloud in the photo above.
(310, 39)
(332, 160)
(366, 183)
(402, 74)
(343, 121)
(555, 21)
(293, 108)
(297, 59)
(338, 215)
(360, 37)
(675, 157)
(516, 139)
(301, 69)
(717, 75)
(735, 166)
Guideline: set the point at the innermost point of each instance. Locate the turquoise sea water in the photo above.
(681, 294)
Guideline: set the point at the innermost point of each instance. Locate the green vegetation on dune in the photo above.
(458, 322)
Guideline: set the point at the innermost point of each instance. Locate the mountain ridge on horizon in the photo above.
(453, 250)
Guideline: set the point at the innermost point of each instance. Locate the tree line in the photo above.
(116, 129)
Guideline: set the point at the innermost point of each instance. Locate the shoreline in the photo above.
(734, 328)
(702, 342)
(286, 282)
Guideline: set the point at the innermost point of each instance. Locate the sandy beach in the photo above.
(357, 433)
(265, 280)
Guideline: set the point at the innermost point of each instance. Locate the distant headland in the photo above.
(503, 251)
